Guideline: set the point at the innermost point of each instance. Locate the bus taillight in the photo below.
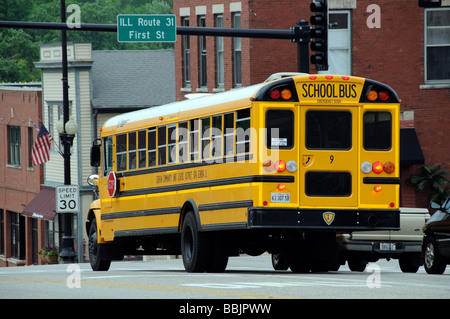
(280, 166)
(389, 167)
(377, 167)
(383, 96)
(275, 94)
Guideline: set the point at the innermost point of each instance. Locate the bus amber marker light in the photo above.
(286, 94)
(372, 95)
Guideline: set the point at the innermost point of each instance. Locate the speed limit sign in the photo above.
(67, 199)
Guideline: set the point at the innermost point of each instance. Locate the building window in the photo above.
(14, 145)
(437, 45)
(202, 70)
(219, 54)
(30, 147)
(186, 56)
(237, 65)
(17, 235)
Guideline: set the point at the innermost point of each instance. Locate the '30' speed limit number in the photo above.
(67, 199)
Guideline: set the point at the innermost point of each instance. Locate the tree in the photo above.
(434, 180)
(17, 54)
(19, 49)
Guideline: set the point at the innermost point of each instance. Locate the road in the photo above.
(245, 278)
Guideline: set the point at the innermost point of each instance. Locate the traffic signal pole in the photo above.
(296, 34)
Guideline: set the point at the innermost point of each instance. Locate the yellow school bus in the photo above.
(279, 167)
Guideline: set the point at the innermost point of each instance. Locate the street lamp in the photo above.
(67, 134)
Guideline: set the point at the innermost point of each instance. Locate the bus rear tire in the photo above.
(97, 264)
(194, 245)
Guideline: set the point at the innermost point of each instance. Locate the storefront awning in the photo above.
(42, 206)
(410, 150)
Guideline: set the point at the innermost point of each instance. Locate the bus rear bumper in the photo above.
(323, 219)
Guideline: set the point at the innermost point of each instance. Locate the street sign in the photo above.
(112, 184)
(146, 28)
(67, 199)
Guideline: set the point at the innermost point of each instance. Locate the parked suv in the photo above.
(436, 243)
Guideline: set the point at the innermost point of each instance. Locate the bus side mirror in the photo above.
(95, 153)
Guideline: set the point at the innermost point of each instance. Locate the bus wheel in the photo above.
(279, 261)
(97, 264)
(194, 245)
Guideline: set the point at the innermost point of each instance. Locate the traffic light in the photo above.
(319, 34)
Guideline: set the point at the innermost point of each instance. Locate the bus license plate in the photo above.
(280, 198)
(388, 246)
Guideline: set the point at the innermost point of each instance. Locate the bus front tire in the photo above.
(97, 264)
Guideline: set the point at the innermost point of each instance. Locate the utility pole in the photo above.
(68, 252)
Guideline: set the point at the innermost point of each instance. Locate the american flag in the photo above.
(41, 147)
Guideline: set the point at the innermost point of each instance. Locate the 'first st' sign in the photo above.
(67, 199)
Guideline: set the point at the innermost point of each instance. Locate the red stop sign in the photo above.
(112, 182)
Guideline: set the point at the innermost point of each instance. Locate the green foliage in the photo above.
(434, 180)
(20, 48)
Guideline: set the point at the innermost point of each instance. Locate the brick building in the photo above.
(399, 43)
(20, 181)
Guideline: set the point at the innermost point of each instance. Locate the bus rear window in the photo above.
(329, 130)
(377, 130)
(280, 128)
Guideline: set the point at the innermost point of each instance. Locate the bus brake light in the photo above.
(377, 188)
(281, 187)
(275, 94)
(383, 95)
(377, 167)
(280, 166)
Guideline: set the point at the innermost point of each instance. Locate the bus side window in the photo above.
(107, 155)
(121, 152)
(280, 129)
(151, 147)
(242, 131)
(193, 139)
(377, 131)
(205, 138)
(216, 136)
(228, 137)
(172, 143)
(183, 142)
(142, 149)
(162, 143)
(132, 150)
